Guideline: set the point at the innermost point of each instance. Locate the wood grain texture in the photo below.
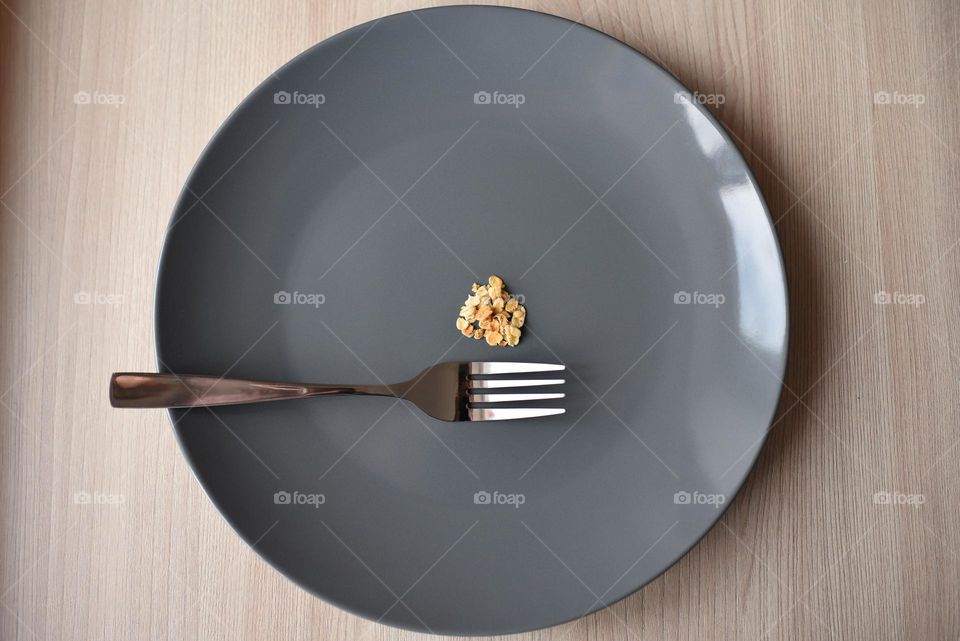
(866, 196)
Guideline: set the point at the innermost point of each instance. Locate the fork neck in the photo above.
(361, 390)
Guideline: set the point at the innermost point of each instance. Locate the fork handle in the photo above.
(147, 390)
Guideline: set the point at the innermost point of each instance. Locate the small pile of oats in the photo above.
(491, 313)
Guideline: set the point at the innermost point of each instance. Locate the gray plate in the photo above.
(666, 299)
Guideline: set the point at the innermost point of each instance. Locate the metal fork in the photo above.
(453, 391)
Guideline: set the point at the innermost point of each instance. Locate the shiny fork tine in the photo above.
(512, 398)
(491, 383)
(483, 367)
(479, 368)
(511, 413)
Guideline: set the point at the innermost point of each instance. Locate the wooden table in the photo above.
(847, 112)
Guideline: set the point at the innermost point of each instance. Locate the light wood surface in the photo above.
(866, 195)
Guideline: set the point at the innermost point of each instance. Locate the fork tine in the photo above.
(508, 413)
(507, 398)
(490, 383)
(482, 367)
